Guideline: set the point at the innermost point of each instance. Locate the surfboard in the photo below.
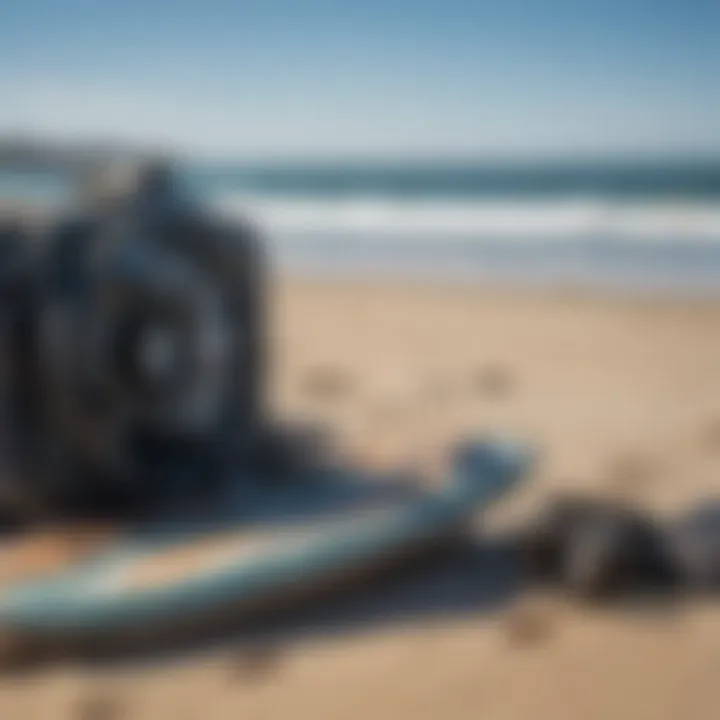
(256, 547)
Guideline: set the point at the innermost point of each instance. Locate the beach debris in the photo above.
(694, 546)
(591, 548)
(597, 549)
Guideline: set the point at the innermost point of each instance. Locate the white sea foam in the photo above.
(562, 219)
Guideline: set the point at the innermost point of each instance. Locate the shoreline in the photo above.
(563, 289)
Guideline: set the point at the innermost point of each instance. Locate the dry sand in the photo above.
(619, 395)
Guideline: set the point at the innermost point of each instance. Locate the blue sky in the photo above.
(371, 77)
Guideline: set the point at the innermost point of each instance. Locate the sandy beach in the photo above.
(620, 395)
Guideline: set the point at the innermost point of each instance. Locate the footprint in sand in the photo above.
(493, 382)
(254, 661)
(530, 623)
(99, 706)
(711, 436)
(630, 473)
(438, 389)
(327, 383)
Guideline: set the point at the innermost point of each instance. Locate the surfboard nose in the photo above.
(490, 465)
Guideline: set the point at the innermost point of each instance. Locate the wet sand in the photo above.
(620, 396)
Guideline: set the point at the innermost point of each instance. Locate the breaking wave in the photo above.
(502, 220)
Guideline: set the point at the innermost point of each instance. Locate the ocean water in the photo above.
(651, 225)
(641, 225)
